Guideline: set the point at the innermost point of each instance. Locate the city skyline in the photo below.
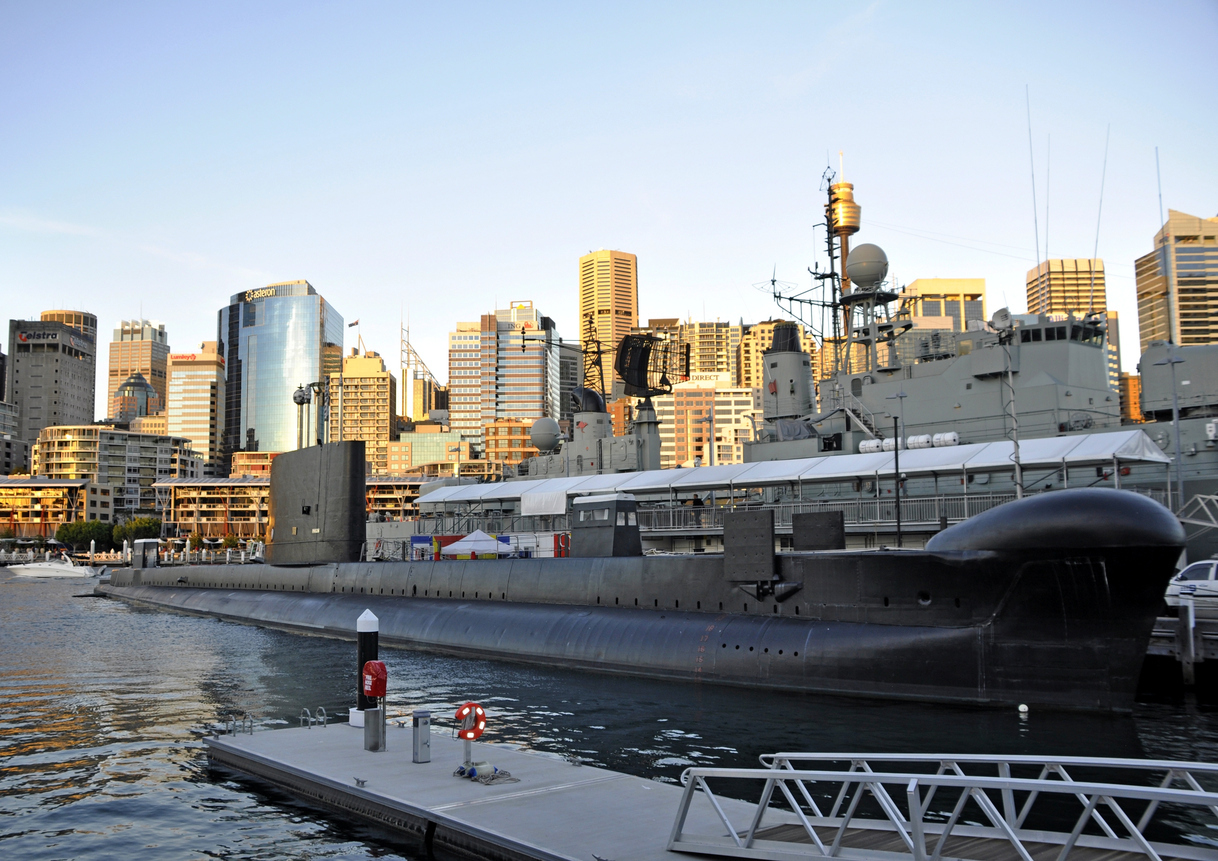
(422, 176)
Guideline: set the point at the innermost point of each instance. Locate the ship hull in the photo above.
(1038, 626)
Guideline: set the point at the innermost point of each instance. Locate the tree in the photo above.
(136, 528)
(78, 534)
(229, 542)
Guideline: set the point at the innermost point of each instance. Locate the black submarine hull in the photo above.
(1046, 601)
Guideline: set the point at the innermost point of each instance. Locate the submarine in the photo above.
(1047, 601)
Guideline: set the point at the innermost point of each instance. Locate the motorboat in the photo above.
(55, 566)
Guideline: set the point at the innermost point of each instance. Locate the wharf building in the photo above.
(138, 347)
(195, 408)
(1059, 287)
(608, 309)
(274, 339)
(36, 506)
(52, 371)
(251, 463)
(706, 421)
(1177, 283)
(124, 463)
(215, 508)
(506, 366)
(363, 405)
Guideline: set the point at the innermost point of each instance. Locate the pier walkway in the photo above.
(557, 810)
(864, 807)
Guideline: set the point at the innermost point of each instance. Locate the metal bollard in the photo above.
(422, 736)
(374, 728)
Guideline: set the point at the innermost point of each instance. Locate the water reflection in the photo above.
(98, 700)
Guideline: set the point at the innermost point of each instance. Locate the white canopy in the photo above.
(477, 542)
(1125, 446)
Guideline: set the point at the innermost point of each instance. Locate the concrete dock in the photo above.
(557, 810)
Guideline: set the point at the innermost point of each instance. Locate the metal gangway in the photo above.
(930, 807)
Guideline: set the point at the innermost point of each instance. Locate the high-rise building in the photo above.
(135, 398)
(570, 377)
(1063, 286)
(81, 321)
(1178, 283)
(51, 373)
(123, 463)
(714, 348)
(704, 410)
(364, 405)
(754, 341)
(1067, 286)
(139, 347)
(504, 366)
(195, 409)
(507, 441)
(14, 452)
(273, 340)
(608, 307)
(1131, 398)
(3, 371)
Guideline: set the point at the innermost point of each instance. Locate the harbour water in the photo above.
(100, 701)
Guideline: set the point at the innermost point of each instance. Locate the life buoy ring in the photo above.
(472, 718)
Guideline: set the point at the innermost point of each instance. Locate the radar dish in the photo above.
(648, 364)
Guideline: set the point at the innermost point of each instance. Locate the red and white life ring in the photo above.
(472, 718)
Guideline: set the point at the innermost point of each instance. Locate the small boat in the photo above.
(56, 566)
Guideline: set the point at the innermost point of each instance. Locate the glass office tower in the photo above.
(274, 339)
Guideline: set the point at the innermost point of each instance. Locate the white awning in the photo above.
(543, 502)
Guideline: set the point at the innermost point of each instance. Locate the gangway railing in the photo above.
(949, 806)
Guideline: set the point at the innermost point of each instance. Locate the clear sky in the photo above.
(439, 160)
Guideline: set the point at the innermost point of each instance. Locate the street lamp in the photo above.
(1171, 361)
(898, 432)
(302, 398)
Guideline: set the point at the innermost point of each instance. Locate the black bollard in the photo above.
(366, 633)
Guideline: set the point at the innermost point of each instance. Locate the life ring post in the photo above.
(471, 722)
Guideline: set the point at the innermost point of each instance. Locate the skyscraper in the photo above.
(135, 398)
(608, 307)
(1061, 286)
(195, 409)
(757, 338)
(1178, 283)
(504, 366)
(274, 339)
(1067, 286)
(81, 321)
(363, 405)
(138, 347)
(51, 373)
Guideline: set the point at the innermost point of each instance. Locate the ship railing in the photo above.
(928, 807)
(917, 513)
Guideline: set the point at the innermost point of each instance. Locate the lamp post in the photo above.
(898, 431)
(1171, 361)
(301, 397)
